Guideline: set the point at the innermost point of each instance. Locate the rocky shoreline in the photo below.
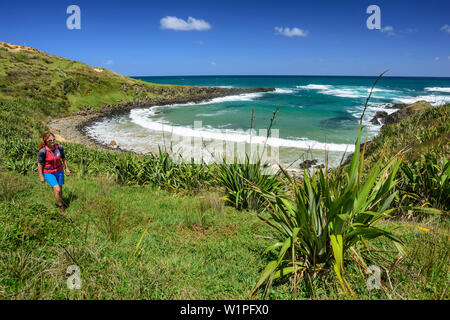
(382, 117)
(71, 129)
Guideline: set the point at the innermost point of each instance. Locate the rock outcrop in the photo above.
(308, 164)
(379, 117)
(407, 111)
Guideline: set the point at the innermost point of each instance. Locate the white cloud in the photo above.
(445, 28)
(174, 23)
(109, 62)
(294, 32)
(213, 63)
(436, 59)
(389, 30)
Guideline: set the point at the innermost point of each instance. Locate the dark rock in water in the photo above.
(379, 115)
(321, 166)
(308, 164)
(375, 121)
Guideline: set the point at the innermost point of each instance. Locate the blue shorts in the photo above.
(55, 179)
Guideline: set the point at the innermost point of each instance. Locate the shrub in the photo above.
(330, 212)
(239, 181)
(426, 181)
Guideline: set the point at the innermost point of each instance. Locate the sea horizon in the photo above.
(281, 75)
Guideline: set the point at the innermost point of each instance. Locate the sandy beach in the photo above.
(70, 129)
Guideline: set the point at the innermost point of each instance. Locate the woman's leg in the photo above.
(61, 195)
(58, 196)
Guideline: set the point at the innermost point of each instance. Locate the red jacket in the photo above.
(52, 162)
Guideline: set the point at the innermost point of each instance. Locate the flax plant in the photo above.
(239, 178)
(326, 214)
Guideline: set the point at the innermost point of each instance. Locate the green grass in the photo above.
(193, 247)
(180, 256)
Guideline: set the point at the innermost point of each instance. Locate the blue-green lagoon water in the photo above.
(316, 113)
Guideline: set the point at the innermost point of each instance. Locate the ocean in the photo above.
(318, 115)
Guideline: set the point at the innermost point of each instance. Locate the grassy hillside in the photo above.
(28, 72)
(144, 227)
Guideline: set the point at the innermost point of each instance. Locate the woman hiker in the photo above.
(50, 159)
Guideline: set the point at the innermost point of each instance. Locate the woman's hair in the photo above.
(45, 136)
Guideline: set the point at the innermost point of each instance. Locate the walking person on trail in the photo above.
(51, 158)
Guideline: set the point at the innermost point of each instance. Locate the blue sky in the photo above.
(239, 37)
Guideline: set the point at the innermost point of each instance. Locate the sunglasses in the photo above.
(51, 140)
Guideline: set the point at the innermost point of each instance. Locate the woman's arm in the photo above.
(65, 165)
(41, 175)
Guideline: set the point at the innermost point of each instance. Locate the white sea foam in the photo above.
(343, 93)
(314, 87)
(141, 118)
(349, 91)
(433, 99)
(438, 89)
(381, 90)
(240, 97)
(283, 90)
(213, 114)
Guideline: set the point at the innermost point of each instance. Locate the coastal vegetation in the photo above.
(147, 227)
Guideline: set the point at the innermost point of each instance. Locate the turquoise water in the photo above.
(316, 113)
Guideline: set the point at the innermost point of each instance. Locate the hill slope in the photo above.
(28, 72)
